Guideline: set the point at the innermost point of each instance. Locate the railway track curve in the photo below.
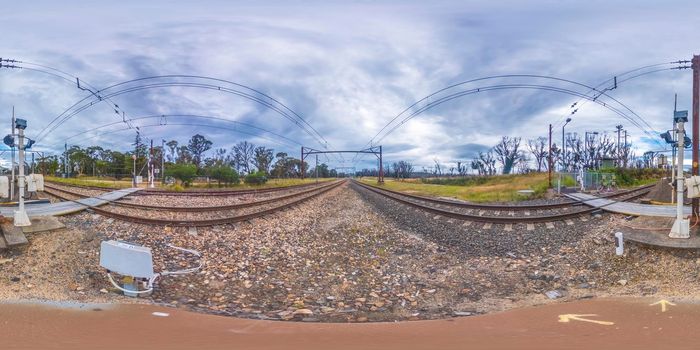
(573, 209)
(290, 201)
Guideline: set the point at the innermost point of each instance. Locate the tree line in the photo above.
(512, 155)
(196, 157)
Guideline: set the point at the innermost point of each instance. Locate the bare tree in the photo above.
(438, 168)
(462, 168)
(538, 148)
(484, 164)
(243, 153)
(508, 153)
(401, 169)
(220, 156)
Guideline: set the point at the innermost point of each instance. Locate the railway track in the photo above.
(122, 203)
(199, 192)
(498, 214)
(289, 201)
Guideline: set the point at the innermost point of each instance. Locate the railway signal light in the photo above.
(9, 140)
(667, 137)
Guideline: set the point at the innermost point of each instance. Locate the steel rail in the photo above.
(196, 208)
(157, 192)
(485, 219)
(212, 222)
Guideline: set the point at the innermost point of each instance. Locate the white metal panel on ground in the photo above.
(69, 207)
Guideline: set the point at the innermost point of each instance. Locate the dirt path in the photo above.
(628, 323)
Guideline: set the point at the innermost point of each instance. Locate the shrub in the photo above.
(634, 176)
(176, 188)
(257, 178)
(224, 174)
(183, 172)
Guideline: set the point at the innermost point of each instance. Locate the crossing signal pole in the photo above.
(695, 65)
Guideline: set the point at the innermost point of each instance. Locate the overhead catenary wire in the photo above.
(295, 117)
(512, 86)
(251, 93)
(162, 116)
(186, 124)
(578, 103)
(601, 93)
(86, 105)
(596, 89)
(74, 80)
(507, 86)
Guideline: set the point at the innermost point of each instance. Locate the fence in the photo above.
(589, 180)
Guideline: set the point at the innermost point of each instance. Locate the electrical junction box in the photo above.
(693, 185)
(4, 187)
(35, 182)
(126, 259)
(31, 183)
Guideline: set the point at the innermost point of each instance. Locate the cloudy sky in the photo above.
(345, 68)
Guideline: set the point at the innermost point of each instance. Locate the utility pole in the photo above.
(563, 144)
(673, 148)
(680, 227)
(12, 181)
(301, 164)
(695, 65)
(317, 168)
(625, 148)
(381, 167)
(21, 218)
(549, 158)
(133, 177)
(619, 155)
(150, 166)
(65, 160)
(162, 162)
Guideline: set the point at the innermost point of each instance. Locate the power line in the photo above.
(165, 116)
(515, 86)
(186, 124)
(261, 97)
(509, 86)
(615, 82)
(276, 105)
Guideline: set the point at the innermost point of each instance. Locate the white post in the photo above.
(12, 181)
(673, 177)
(133, 182)
(21, 218)
(681, 228)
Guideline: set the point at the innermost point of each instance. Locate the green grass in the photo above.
(500, 188)
(271, 183)
(91, 181)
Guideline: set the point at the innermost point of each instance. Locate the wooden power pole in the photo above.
(549, 159)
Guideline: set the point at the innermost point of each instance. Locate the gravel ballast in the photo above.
(352, 256)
